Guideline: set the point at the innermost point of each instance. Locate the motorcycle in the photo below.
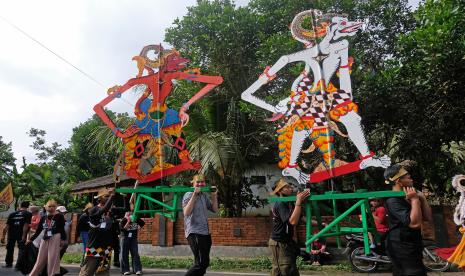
(364, 263)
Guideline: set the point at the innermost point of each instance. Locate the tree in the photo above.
(424, 88)
(222, 39)
(238, 43)
(7, 162)
(51, 177)
(89, 148)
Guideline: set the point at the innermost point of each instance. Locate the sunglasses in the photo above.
(51, 206)
(202, 181)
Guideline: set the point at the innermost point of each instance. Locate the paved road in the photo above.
(74, 271)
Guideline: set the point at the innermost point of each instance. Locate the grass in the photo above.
(257, 264)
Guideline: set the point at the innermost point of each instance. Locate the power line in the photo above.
(57, 55)
(48, 49)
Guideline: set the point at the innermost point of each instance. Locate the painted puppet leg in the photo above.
(292, 168)
(323, 140)
(351, 122)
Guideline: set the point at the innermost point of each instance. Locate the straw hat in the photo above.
(88, 206)
(279, 186)
(102, 193)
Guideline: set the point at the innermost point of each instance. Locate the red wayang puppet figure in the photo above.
(156, 125)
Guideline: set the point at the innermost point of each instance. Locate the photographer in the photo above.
(195, 207)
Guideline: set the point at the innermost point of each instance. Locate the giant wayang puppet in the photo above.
(458, 256)
(315, 103)
(156, 125)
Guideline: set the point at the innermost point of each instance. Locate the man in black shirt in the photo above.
(285, 217)
(404, 242)
(98, 248)
(17, 227)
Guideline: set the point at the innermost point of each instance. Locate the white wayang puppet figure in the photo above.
(458, 256)
(315, 103)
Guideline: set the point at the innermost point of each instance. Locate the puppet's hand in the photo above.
(183, 116)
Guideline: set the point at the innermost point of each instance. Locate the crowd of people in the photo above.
(42, 234)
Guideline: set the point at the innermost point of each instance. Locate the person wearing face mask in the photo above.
(404, 242)
(286, 216)
(54, 237)
(195, 209)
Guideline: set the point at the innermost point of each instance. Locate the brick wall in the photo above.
(74, 221)
(2, 225)
(451, 227)
(145, 234)
(250, 231)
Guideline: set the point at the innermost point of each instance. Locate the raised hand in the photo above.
(130, 131)
(281, 107)
(410, 193)
(301, 196)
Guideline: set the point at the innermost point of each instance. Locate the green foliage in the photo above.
(407, 79)
(422, 91)
(58, 169)
(223, 40)
(44, 152)
(238, 43)
(95, 147)
(256, 264)
(455, 150)
(7, 163)
(95, 138)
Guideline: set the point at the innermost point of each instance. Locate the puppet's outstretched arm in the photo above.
(212, 82)
(270, 73)
(114, 93)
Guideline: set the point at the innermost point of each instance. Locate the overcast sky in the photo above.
(37, 89)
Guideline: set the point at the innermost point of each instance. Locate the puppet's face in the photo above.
(174, 62)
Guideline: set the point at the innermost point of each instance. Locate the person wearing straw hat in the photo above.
(82, 228)
(404, 243)
(98, 247)
(285, 216)
(195, 207)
